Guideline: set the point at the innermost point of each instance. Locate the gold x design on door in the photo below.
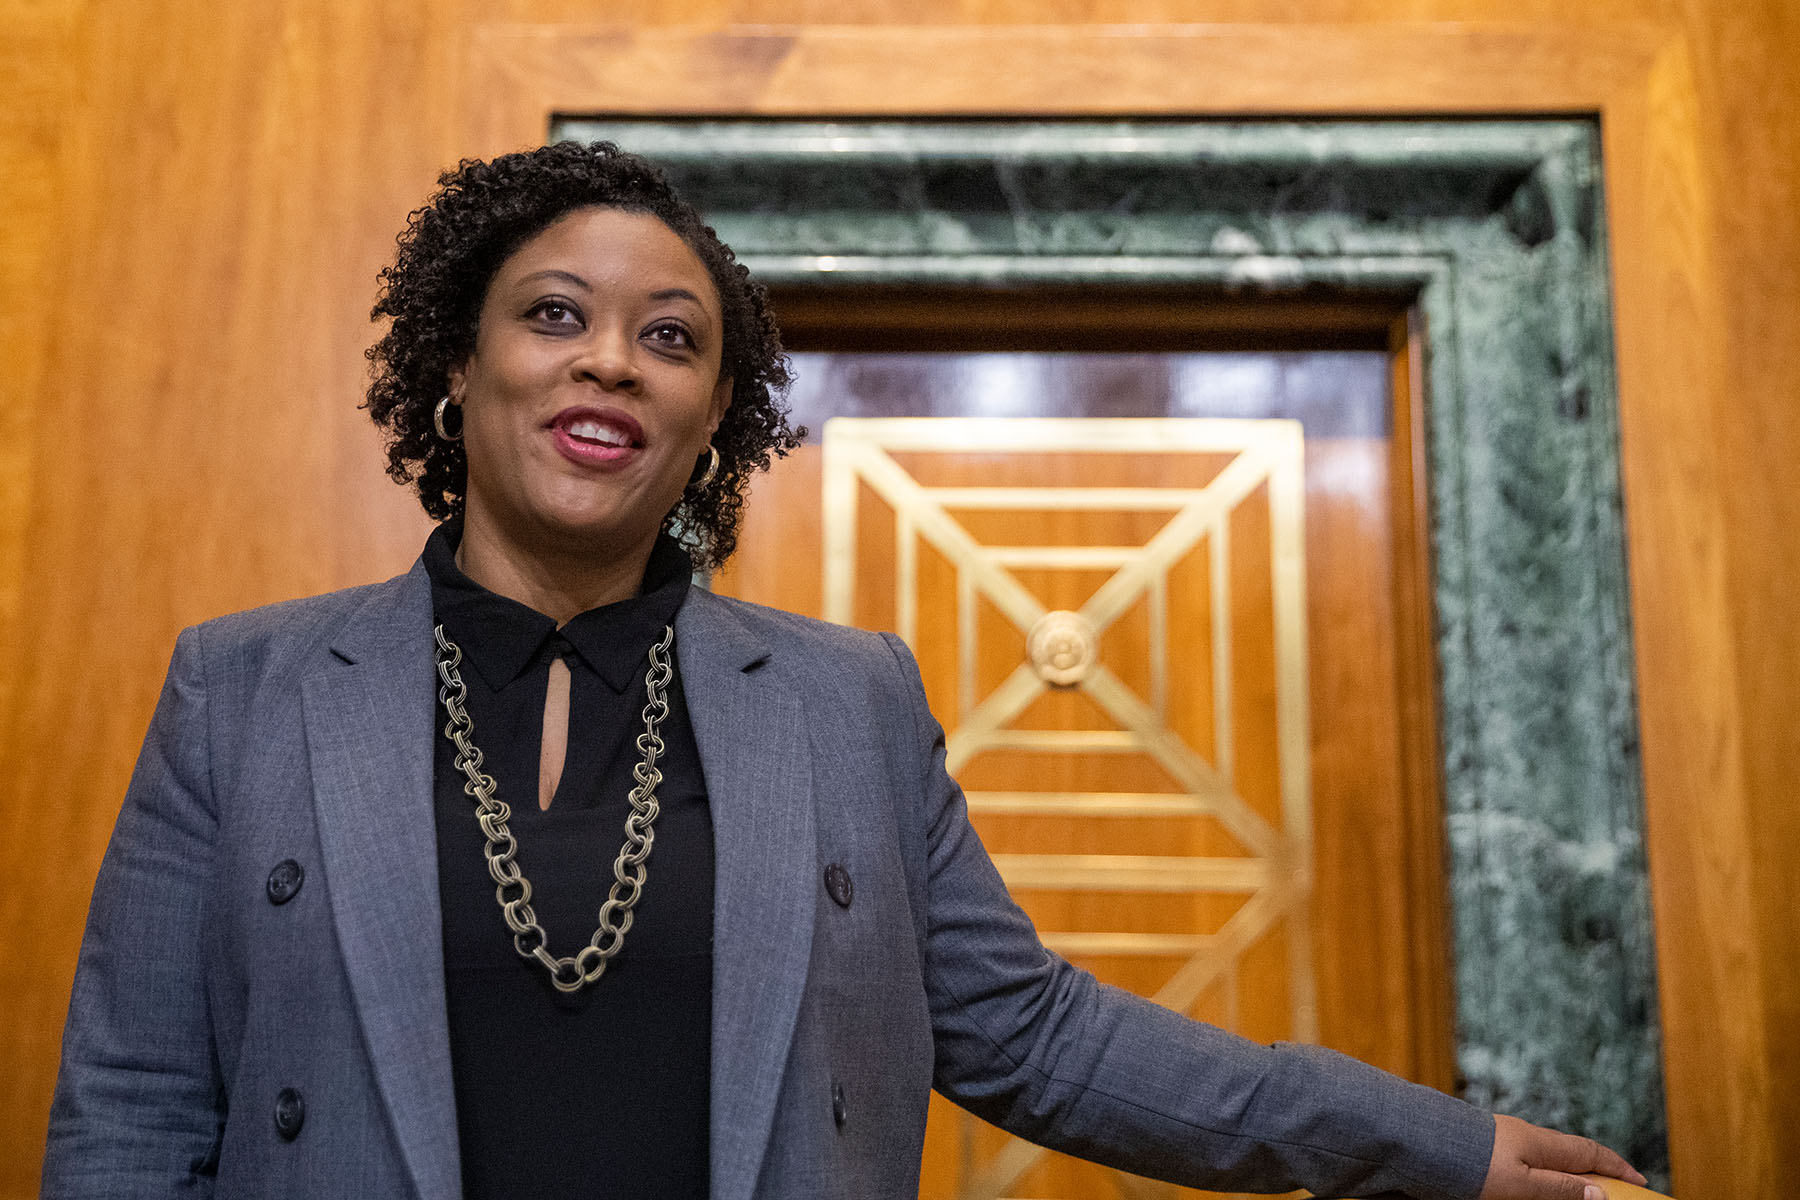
(1110, 618)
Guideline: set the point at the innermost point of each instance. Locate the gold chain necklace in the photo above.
(511, 888)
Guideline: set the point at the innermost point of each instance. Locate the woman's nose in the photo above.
(609, 358)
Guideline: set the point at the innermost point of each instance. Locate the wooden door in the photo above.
(1166, 653)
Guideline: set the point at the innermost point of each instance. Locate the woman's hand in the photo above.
(1533, 1163)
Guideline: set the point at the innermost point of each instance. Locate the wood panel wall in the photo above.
(196, 200)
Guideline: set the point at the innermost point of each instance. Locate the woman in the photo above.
(336, 948)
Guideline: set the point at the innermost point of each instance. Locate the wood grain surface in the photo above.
(197, 198)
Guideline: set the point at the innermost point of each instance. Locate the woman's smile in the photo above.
(603, 438)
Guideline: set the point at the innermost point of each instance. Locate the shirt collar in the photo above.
(503, 638)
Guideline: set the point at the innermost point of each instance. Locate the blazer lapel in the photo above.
(370, 720)
(756, 759)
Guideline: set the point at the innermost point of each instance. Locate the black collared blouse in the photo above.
(604, 1093)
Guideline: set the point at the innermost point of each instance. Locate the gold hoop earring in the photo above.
(437, 419)
(712, 467)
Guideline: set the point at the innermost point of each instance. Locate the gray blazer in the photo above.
(207, 1020)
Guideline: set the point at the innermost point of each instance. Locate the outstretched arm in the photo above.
(1044, 1050)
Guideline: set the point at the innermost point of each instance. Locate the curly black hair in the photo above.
(448, 254)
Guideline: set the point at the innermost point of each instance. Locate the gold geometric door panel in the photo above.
(1110, 616)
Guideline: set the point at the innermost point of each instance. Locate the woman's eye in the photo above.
(555, 312)
(671, 334)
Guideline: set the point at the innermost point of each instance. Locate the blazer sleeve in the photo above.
(1047, 1052)
(139, 1105)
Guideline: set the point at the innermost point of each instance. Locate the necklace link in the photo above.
(511, 889)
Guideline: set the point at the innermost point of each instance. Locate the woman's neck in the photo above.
(558, 582)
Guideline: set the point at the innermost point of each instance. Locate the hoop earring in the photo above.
(712, 467)
(437, 419)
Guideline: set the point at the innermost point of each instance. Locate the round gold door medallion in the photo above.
(1061, 647)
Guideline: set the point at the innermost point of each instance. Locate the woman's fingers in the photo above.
(1531, 1163)
(1608, 1163)
(1619, 1189)
(1576, 1155)
(1555, 1185)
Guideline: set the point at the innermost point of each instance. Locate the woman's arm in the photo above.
(139, 1105)
(1042, 1049)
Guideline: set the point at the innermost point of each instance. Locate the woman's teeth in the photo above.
(594, 431)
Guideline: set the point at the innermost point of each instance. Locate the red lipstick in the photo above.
(591, 436)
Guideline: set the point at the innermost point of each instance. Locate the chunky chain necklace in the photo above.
(511, 888)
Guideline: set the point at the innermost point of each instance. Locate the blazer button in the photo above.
(290, 1114)
(839, 1111)
(285, 881)
(837, 882)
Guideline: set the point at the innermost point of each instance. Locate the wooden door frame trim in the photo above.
(1419, 687)
(1669, 333)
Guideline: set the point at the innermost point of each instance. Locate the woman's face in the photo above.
(594, 384)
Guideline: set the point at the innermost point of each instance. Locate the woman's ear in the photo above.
(456, 379)
(721, 401)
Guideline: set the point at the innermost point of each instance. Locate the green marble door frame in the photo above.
(1495, 231)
